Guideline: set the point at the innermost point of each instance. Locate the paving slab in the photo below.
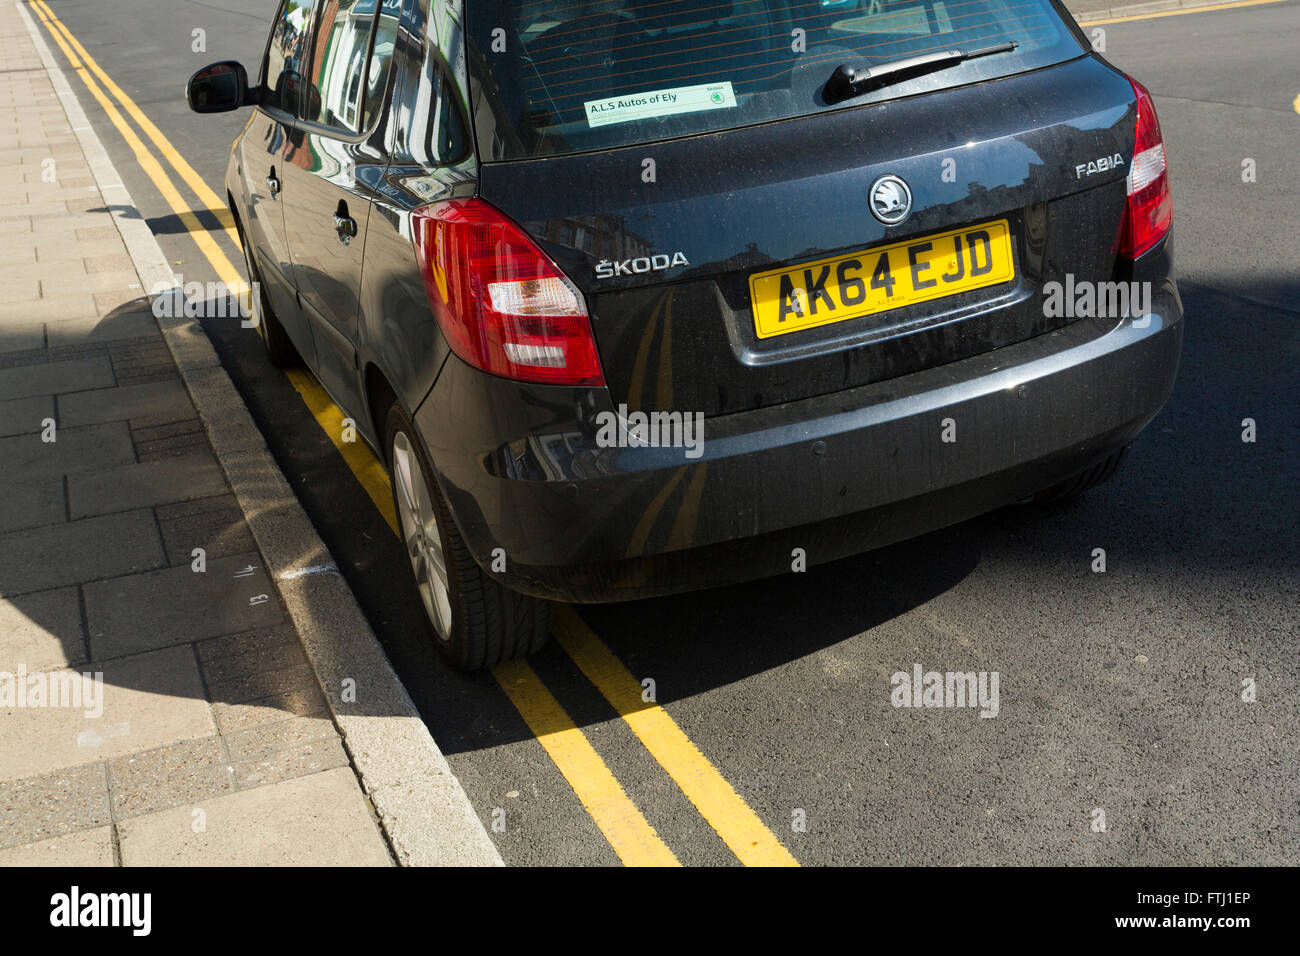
(122, 286)
(52, 804)
(21, 337)
(178, 605)
(197, 475)
(73, 249)
(26, 504)
(293, 777)
(49, 309)
(317, 820)
(246, 681)
(85, 848)
(230, 656)
(165, 401)
(55, 378)
(78, 551)
(303, 700)
(42, 272)
(75, 331)
(22, 250)
(179, 773)
(107, 303)
(134, 356)
(25, 209)
(23, 416)
(148, 700)
(312, 757)
(36, 354)
(42, 631)
(215, 524)
(24, 457)
(171, 440)
(266, 739)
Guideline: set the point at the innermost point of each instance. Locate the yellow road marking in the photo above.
(1296, 103)
(617, 817)
(201, 189)
(367, 469)
(225, 270)
(720, 805)
(631, 836)
(627, 830)
(1179, 13)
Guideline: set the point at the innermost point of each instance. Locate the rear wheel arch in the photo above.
(488, 623)
(380, 397)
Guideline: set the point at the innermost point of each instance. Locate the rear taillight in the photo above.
(501, 303)
(1150, 206)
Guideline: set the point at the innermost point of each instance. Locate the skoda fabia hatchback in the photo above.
(638, 296)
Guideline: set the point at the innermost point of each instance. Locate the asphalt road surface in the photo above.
(1120, 692)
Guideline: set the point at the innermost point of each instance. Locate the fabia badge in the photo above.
(1102, 164)
(890, 200)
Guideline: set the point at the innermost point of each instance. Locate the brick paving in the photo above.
(211, 713)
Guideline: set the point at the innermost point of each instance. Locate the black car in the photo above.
(639, 296)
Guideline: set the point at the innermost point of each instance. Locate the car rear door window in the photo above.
(563, 76)
(338, 74)
(430, 128)
(282, 66)
(381, 61)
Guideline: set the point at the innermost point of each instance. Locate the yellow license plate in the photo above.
(876, 280)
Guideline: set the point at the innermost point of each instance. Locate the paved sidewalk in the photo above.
(1087, 11)
(212, 743)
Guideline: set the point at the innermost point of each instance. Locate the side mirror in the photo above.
(219, 88)
(288, 87)
(313, 107)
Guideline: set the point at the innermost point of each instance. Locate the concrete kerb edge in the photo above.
(422, 808)
(1156, 6)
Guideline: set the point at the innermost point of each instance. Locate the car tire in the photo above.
(1071, 488)
(475, 621)
(279, 347)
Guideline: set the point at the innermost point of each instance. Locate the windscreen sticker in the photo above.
(639, 106)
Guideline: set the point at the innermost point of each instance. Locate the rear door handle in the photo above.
(346, 227)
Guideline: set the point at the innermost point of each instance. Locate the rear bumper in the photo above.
(834, 475)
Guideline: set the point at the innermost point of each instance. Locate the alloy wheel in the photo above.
(421, 535)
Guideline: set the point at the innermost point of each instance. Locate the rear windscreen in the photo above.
(562, 76)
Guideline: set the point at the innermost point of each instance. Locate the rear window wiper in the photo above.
(847, 81)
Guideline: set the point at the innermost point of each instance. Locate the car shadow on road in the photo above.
(1193, 499)
(1195, 505)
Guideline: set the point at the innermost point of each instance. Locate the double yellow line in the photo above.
(631, 836)
(84, 66)
(1209, 8)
